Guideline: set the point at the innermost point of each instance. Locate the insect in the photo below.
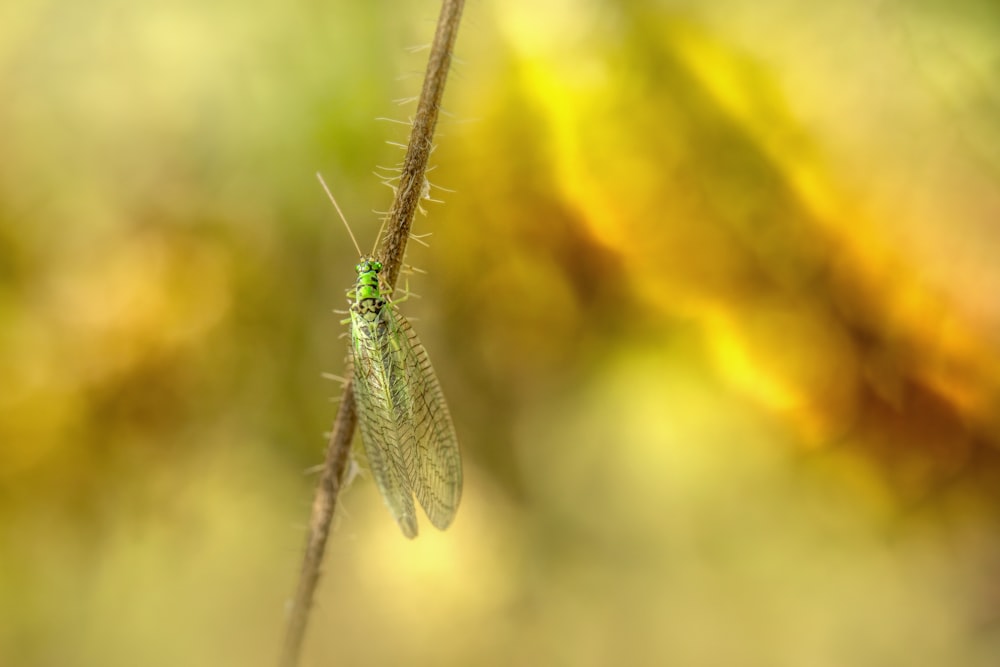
(406, 429)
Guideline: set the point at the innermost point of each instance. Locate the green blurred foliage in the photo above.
(712, 291)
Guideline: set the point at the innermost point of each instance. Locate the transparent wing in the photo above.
(378, 366)
(425, 430)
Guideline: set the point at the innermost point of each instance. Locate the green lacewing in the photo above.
(406, 428)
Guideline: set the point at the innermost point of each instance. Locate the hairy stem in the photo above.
(324, 504)
(418, 150)
(391, 252)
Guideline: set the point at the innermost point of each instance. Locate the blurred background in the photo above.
(712, 290)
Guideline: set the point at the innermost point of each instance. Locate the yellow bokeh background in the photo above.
(713, 290)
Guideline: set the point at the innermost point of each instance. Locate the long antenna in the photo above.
(340, 213)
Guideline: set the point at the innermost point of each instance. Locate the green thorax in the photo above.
(367, 294)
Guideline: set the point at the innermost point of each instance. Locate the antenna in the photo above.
(340, 213)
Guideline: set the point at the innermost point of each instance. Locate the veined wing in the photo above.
(378, 367)
(425, 430)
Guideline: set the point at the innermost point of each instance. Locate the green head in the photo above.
(366, 286)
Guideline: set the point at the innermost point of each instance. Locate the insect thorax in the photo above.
(368, 308)
(368, 301)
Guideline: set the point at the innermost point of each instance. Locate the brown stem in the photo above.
(418, 151)
(324, 504)
(391, 253)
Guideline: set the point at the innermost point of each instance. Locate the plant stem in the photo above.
(324, 504)
(418, 150)
(391, 252)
